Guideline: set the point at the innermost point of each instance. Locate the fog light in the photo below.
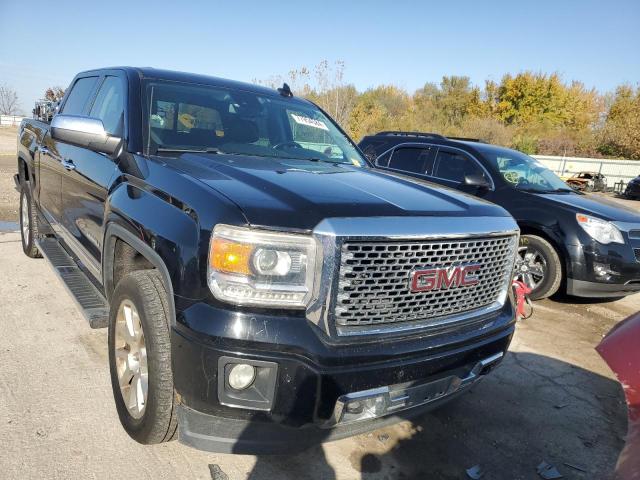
(241, 376)
(601, 269)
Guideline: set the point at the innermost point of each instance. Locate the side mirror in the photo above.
(475, 180)
(83, 132)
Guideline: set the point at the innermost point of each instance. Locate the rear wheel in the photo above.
(538, 266)
(28, 223)
(140, 358)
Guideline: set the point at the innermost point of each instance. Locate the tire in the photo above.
(535, 251)
(28, 223)
(156, 421)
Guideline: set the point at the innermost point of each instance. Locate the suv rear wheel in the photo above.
(140, 358)
(538, 266)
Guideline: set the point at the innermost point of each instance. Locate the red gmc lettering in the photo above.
(443, 278)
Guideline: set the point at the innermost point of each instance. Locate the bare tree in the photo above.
(54, 93)
(8, 101)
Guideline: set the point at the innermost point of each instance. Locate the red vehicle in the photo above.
(620, 350)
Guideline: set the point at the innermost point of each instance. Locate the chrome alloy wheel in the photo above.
(24, 217)
(530, 267)
(131, 359)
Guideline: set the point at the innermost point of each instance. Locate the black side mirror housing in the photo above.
(475, 180)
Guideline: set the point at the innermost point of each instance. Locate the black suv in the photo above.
(633, 189)
(587, 245)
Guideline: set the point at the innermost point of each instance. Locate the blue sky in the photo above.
(405, 43)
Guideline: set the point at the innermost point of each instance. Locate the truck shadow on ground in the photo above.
(530, 409)
(570, 300)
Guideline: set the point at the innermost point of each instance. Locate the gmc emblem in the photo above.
(444, 278)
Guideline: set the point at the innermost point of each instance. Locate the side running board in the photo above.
(92, 303)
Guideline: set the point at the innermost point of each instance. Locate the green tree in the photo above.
(621, 133)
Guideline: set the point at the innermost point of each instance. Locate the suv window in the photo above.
(411, 159)
(79, 96)
(455, 166)
(109, 105)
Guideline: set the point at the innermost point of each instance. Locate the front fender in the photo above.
(167, 231)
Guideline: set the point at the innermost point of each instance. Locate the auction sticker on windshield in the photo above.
(309, 122)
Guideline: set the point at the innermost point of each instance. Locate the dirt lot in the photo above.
(8, 196)
(553, 399)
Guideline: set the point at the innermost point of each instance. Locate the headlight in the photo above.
(258, 267)
(600, 230)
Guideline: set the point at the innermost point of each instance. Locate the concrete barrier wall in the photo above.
(615, 170)
(10, 120)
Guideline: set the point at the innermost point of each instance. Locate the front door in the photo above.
(87, 178)
(453, 166)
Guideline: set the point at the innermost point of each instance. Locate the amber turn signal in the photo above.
(230, 257)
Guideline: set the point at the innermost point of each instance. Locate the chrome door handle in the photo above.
(68, 164)
(43, 150)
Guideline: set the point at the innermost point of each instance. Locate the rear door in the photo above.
(52, 152)
(88, 175)
(414, 160)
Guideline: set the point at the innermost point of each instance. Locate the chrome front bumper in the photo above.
(379, 402)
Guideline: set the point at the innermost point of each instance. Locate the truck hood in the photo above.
(299, 194)
(589, 204)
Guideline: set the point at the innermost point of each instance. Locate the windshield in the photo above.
(182, 117)
(524, 172)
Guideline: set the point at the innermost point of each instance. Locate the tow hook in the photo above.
(524, 307)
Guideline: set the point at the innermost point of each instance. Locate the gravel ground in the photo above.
(552, 399)
(9, 198)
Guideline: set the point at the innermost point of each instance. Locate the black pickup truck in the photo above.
(264, 289)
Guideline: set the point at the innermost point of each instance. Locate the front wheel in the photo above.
(538, 266)
(140, 358)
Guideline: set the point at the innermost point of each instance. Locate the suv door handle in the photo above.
(68, 164)
(43, 150)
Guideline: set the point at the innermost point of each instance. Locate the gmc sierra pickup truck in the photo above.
(264, 289)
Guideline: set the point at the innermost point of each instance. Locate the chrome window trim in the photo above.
(331, 233)
(435, 160)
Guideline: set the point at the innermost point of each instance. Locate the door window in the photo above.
(411, 159)
(455, 166)
(109, 105)
(79, 96)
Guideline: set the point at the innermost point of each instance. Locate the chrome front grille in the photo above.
(374, 281)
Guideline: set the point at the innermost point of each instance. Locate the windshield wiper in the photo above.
(162, 149)
(316, 159)
(548, 190)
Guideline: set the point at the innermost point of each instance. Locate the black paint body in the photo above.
(166, 208)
